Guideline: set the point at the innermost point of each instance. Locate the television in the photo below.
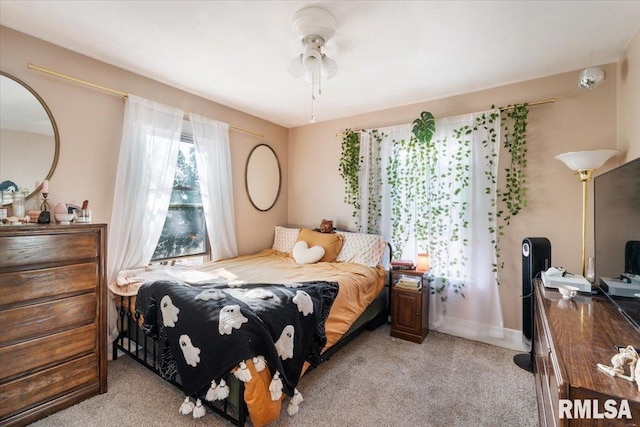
(617, 221)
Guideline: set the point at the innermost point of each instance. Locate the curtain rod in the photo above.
(508, 107)
(124, 95)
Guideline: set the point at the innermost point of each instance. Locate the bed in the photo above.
(224, 331)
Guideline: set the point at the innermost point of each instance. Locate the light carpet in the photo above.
(375, 380)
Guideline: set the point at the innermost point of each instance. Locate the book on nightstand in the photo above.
(400, 264)
(412, 283)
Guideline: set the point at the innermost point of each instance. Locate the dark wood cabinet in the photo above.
(53, 343)
(570, 338)
(409, 309)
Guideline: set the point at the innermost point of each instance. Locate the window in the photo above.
(184, 232)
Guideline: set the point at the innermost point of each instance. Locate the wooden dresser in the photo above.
(53, 345)
(570, 338)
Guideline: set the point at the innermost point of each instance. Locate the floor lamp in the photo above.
(584, 163)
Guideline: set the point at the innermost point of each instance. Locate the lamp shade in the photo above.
(585, 160)
(424, 262)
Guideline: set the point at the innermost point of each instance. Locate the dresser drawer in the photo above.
(47, 282)
(49, 350)
(24, 250)
(48, 384)
(24, 323)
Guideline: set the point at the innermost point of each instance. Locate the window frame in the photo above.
(205, 255)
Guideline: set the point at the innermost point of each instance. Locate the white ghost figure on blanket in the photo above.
(284, 345)
(210, 294)
(304, 303)
(217, 391)
(187, 406)
(292, 284)
(260, 363)
(198, 411)
(230, 318)
(169, 311)
(260, 293)
(243, 373)
(295, 401)
(275, 386)
(191, 353)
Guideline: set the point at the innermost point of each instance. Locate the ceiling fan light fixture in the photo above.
(296, 68)
(313, 26)
(312, 59)
(591, 78)
(329, 67)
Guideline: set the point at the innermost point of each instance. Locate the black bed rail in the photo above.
(133, 342)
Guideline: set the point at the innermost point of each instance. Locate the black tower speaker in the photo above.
(536, 258)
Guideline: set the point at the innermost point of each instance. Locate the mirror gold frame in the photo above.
(263, 177)
(54, 126)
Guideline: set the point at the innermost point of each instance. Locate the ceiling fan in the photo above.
(313, 26)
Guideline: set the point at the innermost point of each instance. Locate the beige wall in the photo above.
(90, 126)
(578, 120)
(90, 123)
(628, 76)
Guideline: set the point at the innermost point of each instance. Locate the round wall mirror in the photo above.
(263, 177)
(29, 140)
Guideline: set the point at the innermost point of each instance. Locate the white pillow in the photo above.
(285, 238)
(303, 254)
(362, 248)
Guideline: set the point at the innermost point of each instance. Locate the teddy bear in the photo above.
(326, 226)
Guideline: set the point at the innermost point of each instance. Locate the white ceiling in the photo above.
(390, 53)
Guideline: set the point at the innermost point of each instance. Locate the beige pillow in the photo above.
(362, 248)
(331, 242)
(285, 238)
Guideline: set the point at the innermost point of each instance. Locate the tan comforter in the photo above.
(359, 284)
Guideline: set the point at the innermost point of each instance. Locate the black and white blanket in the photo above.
(212, 328)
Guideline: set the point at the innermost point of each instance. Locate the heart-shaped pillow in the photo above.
(303, 254)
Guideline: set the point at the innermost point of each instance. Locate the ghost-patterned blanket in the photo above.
(212, 328)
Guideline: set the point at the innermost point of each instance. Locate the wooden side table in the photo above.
(409, 308)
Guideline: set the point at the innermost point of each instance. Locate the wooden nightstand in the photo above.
(409, 308)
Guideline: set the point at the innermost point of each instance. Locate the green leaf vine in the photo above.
(447, 178)
(514, 194)
(349, 168)
(426, 189)
(407, 179)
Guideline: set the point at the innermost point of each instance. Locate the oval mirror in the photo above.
(29, 140)
(263, 177)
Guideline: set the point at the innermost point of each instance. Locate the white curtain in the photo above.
(213, 159)
(144, 181)
(477, 316)
(372, 171)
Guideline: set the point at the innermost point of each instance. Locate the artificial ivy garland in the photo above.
(514, 194)
(349, 168)
(419, 155)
